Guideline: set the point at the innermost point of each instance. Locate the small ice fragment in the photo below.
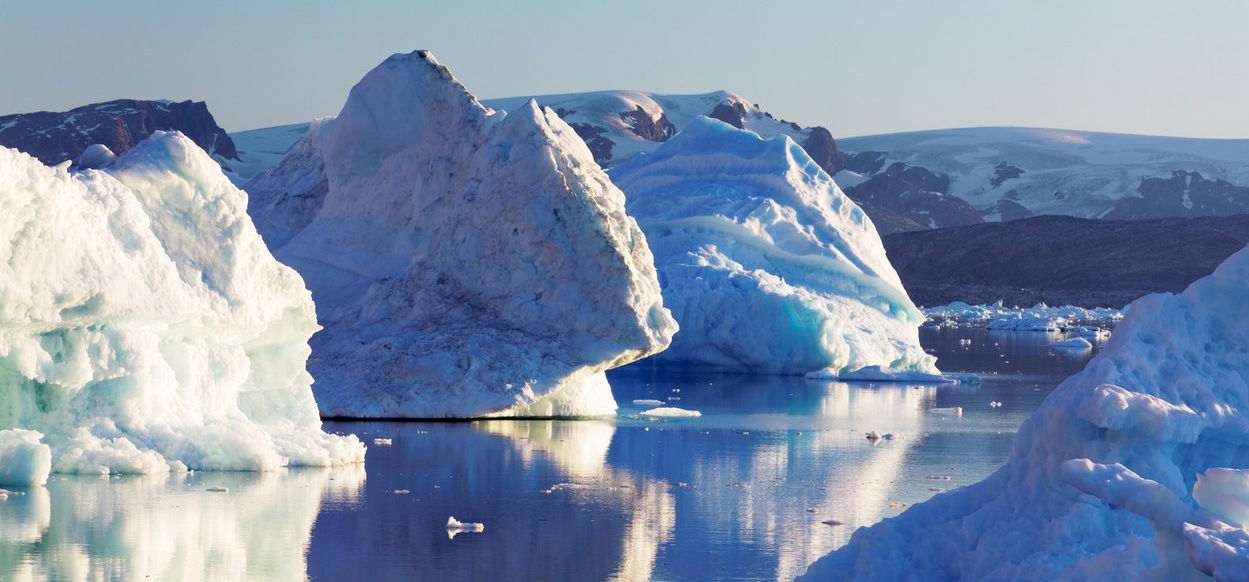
(647, 402)
(455, 527)
(680, 484)
(671, 412)
(402, 491)
(995, 404)
(383, 442)
(872, 436)
(1075, 343)
(950, 411)
(218, 489)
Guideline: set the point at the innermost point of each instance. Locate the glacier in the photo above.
(1132, 469)
(465, 262)
(144, 325)
(766, 264)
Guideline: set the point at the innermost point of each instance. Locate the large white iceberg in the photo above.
(144, 326)
(765, 263)
(465, 262)
(1102, 481)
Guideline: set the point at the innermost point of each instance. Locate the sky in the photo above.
(857, 67)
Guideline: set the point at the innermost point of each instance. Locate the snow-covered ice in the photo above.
(765, 263)
(24, 459)
(1039, 317)
(456, 527)
(465, 262)
(145, 327)
(882, 374)
(671, 412)
(1103, 477)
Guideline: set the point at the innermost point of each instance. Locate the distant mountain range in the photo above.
(904, 181)
(1062, 260)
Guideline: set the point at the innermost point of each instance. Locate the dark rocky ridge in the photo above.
(54, 137)
(1062, 260)
(1184, 193)
(905, 197)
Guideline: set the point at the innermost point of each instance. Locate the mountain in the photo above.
(1008, 173)
(1132, 469)
(119, 125)
(1062, 260)
(464, 261)
(767, 266)
(146, 328)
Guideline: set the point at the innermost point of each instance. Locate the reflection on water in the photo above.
(168, 527)
(742, 492)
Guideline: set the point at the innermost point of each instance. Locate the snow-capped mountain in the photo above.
(1132, 469)
(464, 261)
(766, 264)
(144, 325)
(1009, 173)
(119, 125)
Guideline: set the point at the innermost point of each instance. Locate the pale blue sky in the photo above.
(857, 67)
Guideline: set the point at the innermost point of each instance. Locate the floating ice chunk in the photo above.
(766, 264)
(948, 411)
(647, 402)
(24, 459)
(995, 404)
(1224, 492)
(383, 442)
(402, 491)
(671, 412)
(456, 527)
(144, 325)
(962, 377)
(465, 262)
(880, 374)
(1075, 343)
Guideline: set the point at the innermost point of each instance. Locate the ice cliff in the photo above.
(1132, 469)
(767, 266)
(465, 262)
(145, 327)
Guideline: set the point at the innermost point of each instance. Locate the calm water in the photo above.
(740, 493)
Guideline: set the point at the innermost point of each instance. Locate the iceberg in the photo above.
(465, 262)
(1132, 469)
(144, 326)
(767, 266)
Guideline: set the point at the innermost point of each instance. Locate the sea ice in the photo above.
(1075, 343)
(671, 412)
(766, 264)
(145, 327)
(456, 527)
(881, 374)
(465, 262)
(1105, 477)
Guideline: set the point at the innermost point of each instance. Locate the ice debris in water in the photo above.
(456, 527)
(1105, 477)
(647, 402)
(1075, 343)
(947, 411)
(671, 412)
(383, 442)
(144, 325)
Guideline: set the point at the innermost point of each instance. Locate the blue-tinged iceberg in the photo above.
(465, 262)
(767, 266)
(144, 325)
(1133, 469)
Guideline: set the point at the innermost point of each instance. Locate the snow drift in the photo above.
(765, 263)
(1102, 481)
(465, 262)
(144, 326)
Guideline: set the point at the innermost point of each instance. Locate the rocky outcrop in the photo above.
(54, 137)
(912, 193)
(649, 127)
(1182, 194)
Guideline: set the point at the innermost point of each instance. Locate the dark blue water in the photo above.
(742, 492)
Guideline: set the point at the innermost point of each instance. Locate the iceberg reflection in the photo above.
(169, 526)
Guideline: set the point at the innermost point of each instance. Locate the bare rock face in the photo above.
(1183, 194)
(54, 137)
(914, 194)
